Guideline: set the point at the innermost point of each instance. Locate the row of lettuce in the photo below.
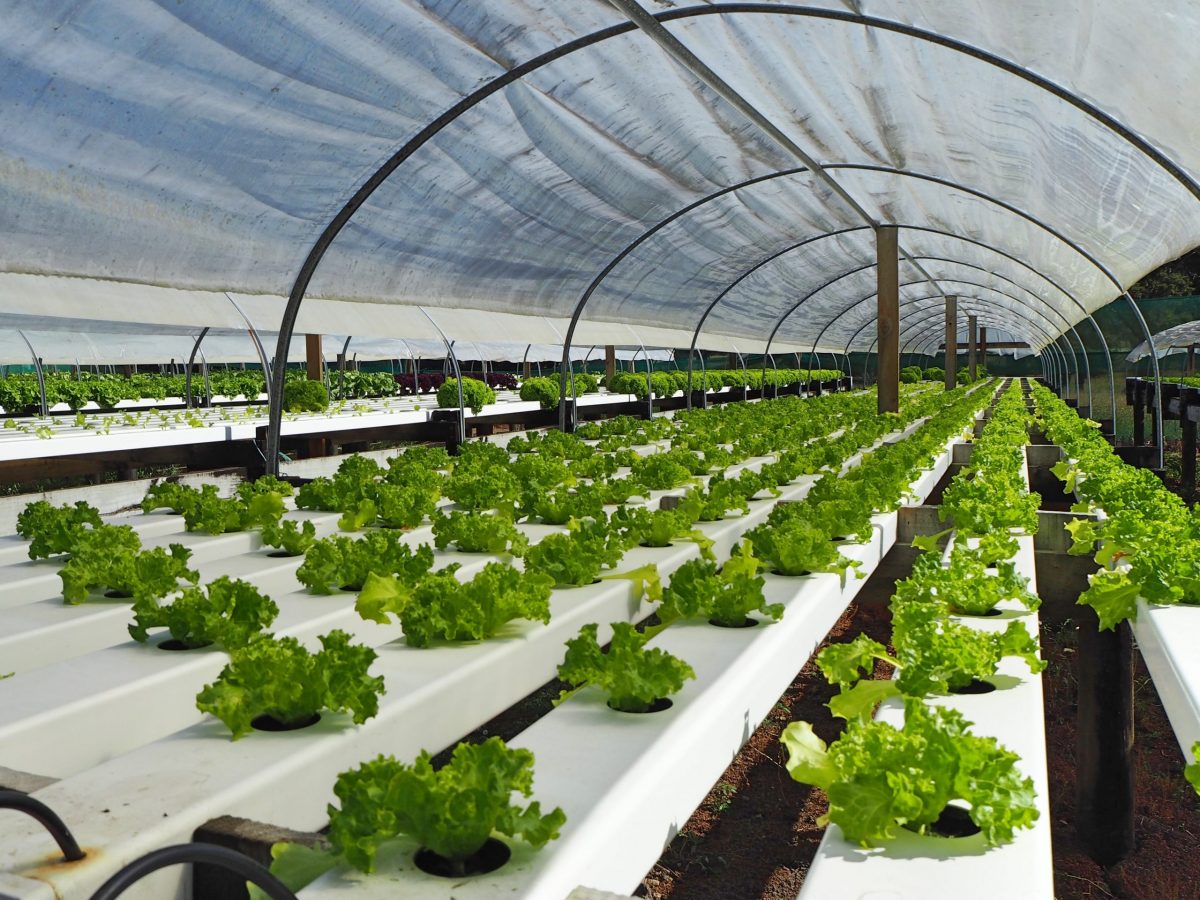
(797, 539)
(914, 374)
(551, 478)
(19, 391)
(1145, 538)
(880, 778)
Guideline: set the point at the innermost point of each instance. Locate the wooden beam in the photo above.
(972, 325)
(887, 319)
(951, 342)
(610, 362)
(1000, 345)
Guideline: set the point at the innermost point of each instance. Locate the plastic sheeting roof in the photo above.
(1175, 339)
(1036, 155)
(117, 348)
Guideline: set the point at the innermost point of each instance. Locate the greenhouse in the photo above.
(598, 449)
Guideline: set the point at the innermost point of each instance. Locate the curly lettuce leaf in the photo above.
(278, 677)
(451, 811)
(879, 777)
(443, 608)
(225, 611)
(53, 529)
(632, 676)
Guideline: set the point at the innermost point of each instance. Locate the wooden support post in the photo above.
(1155, 399)
(1188, 428)
(1139, 417)
(972, 331)
(983, 347)
(951, 342)
(528, 372)
(887, 321)
(315, 364)
(610, 362)
(1191, 360)
(312, 356)
(1104, 789)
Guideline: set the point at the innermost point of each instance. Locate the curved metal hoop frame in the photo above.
(364, 192)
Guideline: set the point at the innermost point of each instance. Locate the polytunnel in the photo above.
(866, 187)
(694, 170)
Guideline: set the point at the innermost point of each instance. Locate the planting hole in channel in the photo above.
(983, 615)
(658, 705)
(281, 554)
(747, 622)
(954, 822)
(782, 574)
(117, 595)
(487, 858)
(270, 723)
(176, 644)
(974, 686)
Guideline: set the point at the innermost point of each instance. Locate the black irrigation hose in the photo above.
(49, 819)
(209, 854)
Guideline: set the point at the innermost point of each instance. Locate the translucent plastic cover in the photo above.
(554, 162)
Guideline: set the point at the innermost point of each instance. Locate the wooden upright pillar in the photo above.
(972, 325)
(951, 342)
(312, 356)
(1191, 359)
(1139, 418)
(610, 362)
(1104, 722)
(983, 347)
(1188, 429)
(888, 316)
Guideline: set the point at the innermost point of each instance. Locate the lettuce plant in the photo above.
(726, 596)
(280, 679)
(53, 529)
(879, 777)
(111, 557)
(451, 811)
(225, 611)
(632, 676)
(342, 562)
(440, 607)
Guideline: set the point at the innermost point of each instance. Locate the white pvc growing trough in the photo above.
(629, 782)
(919, 867)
